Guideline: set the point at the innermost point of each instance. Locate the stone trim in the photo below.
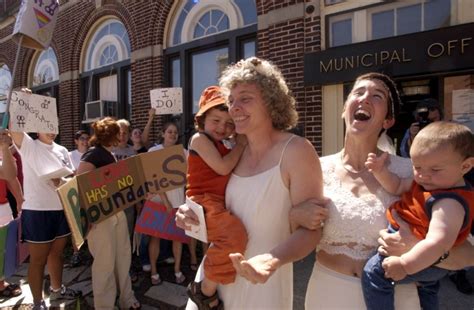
(147, 52)
(281, 15)
(68, 75)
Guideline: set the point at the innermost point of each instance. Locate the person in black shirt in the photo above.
(108, 240)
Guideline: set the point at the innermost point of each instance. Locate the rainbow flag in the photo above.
(41, 18)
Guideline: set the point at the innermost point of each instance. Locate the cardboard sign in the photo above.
(92, 197)
(167, 100)
(33, 113)
(35, 22)
(155, 220)
(197, 231)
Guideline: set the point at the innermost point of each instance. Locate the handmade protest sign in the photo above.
(92, 197)
(167, 100)
(35, 23)
(33, 113)
(197, 231)
(157, 221)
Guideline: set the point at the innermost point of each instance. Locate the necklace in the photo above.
(351, 169)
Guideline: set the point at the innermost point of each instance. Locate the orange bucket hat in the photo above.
(210, 98)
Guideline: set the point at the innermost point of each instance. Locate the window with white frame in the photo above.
(211, 22)
(203, 38)
(109, 44)
(106, 76)
(197, 19)
(46, 68)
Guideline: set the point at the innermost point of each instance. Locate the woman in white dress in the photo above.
(357, 206)
(277, 170)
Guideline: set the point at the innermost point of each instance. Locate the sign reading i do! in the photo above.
(33, 113)
(167, 100)
(35, 22)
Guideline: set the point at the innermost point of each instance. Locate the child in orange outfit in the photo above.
(210, 163)
(438, 206)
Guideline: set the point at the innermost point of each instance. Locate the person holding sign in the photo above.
(44, 225)
(277, 170)
(109, 241)
(171, 199)
(209, 165)
(140, 139)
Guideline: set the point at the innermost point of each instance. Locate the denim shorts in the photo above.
(43, 226)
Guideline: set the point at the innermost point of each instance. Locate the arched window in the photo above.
(203, 38)
(46, 68)
(212, 22)
(106, 77)
(109, 44)
(5, 82)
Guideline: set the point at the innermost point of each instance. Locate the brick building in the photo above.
(117, 51)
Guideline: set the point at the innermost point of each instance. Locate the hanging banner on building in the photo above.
(33, 113)
(35, 22)
(92, 197)
(167, 100)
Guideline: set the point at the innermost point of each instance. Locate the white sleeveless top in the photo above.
(353, 223)
(262, 203)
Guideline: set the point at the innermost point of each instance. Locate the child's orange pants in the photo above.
(227, 235)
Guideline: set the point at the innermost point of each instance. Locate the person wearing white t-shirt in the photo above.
(81, 139)
(44, 225)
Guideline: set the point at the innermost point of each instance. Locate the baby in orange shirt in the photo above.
(438, 205)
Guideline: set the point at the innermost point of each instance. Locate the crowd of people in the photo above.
(268, 200)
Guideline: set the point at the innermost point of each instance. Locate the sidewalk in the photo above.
(169, 295)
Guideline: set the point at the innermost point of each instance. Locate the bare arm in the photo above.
(309, 214)
(8, 170)
(446, 220)
(15, 188)
(396, 244)
(389, 181)
(84, 167)
(302, 168)
(220, 164)
(17, 138)
(146, 130)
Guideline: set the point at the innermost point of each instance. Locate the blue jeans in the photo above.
(379, 291)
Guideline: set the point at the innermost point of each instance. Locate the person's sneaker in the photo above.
(146, 268)
(40, 306)
(75, 259)
(169, 260)
(64, 293)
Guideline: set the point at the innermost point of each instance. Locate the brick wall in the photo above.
(284, 43)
